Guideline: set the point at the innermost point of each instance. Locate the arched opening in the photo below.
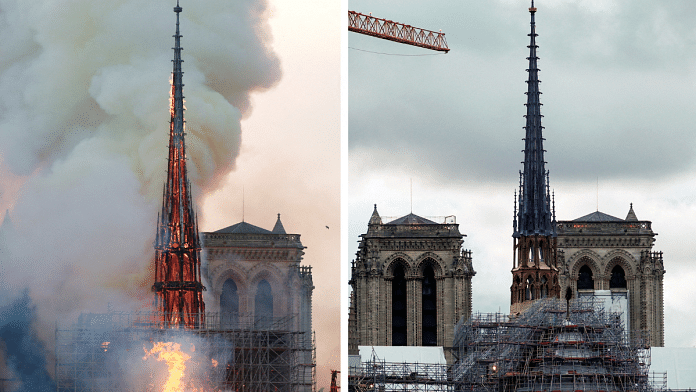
(585, 280)
(618, 278)
(229, 305)
(518, 289)
(429, 307)
(544, 287)
(263, 305)
(529, 289)
(399, 306)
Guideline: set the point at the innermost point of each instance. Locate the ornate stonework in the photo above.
(602, 252)
(411, 283)
(258, 261)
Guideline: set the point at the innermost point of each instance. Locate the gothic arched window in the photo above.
(399, 306)
(618, 278)
(544, 287)
(585, 280)
(263, 308)
(519, 289)
(429, 307)
(229, 305)
(529, 289)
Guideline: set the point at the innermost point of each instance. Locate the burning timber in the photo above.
(104, 352)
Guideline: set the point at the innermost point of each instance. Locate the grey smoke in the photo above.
(84, 122)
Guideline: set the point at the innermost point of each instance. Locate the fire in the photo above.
(171, 95)
(176, 362)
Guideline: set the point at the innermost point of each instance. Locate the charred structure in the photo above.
(178, 289)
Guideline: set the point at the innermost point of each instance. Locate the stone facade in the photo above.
(602, 252)
(411, 283)
(254, 275)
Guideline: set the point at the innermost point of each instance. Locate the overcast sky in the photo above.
(618, 92)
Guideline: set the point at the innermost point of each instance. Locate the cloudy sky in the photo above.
(618, 83)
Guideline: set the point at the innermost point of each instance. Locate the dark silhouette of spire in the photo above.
(534, 215)
(534, 267)
(177, 284)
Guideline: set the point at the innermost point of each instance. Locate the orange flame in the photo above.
(176, 362)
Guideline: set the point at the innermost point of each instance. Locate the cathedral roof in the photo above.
(245, 228)
(411, 219)
(598, 217)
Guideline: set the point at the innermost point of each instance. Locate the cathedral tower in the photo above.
(178, 289)
(411, 283)
(534, 269)
(612, 258)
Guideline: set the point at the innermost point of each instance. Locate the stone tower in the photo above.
(534, 271)
(255, 275)
(599, 252)
(178, 289)
(411, 283)
(256, 282)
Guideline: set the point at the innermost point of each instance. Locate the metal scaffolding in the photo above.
(550, 348)
(104, 352)
(381, 376)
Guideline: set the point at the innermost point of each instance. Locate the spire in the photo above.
(278, 228)
(534, 232)
(631, 214)
(375, 219)
(534, 215)
(177, 284)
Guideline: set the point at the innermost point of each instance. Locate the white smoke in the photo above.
(84, 114)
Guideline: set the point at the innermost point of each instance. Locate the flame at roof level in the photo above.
(178, 289)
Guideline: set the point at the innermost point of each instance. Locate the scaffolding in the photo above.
(381, 376)
(551, 347)
(104, 352)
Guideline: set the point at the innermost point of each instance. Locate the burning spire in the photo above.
(178, 289)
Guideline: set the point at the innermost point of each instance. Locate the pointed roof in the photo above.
(177, 222)
(412, 219)
(278, 228)
(598, 216)
(375, 219)
(631, 214)
(534, 215)
(243, 228)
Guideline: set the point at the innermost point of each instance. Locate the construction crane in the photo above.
(397, 32)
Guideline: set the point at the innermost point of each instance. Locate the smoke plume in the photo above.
(84, 114)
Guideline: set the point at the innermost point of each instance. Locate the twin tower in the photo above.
(412, 282)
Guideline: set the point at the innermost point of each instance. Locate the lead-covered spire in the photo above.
(534, 215)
